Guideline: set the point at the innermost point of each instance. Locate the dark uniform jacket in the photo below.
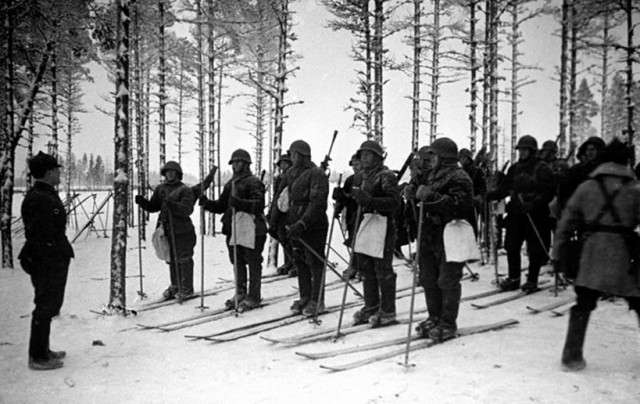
(382, 184)
(308, 189)
(533, 181)
(250, 192)
(45, 221)
(179, 200)
(348, 203)
(451, 197)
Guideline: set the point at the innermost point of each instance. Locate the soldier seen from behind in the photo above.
(590, 153)
(606, 206)
(446, 195)
(348, 208)
(478, 180)
(529, 185)
(175, 201)
(244, 194)
(376, 192)
(302, 205)
(45, 256)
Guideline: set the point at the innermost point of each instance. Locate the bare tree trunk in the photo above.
(486, 79)
(140, 162)
(493, 86)
(180, 106)
(201, 91)
(212, 104)
(435, 72)
(219, 130)
(415, 101)
(562, 135)
(7, 154)
(283, 18)
(605, 76)
(473, 91)
(629, 83)
(573, 65)
(162, 96)
(146, 117)
(368, 69)
(30, 149)
(70, 114)
(260, 99)
(378, 55)
(515, 35)
(117, 292)
(54, 100)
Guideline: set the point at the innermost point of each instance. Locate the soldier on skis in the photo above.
(175, 201)
(529, 184)
(45, 256)
(280, 233)
(347, 207)
(606, 206)
(302, 204)
(242, 195)
(376, 191)
(446, 195)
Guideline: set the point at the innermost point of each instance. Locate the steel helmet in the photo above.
(284, 157)
(550, 145)
(528, 142)
(240, 155)
(423, 152)
(301, 147)
(445, 148)
(465, 153)
(373, 147)
(172, 165)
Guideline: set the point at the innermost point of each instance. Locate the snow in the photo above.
(514, 365)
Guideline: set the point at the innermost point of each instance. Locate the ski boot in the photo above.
(298, 306)
(381, 319)
(363, 315)
(184, 295)
(443, 333)
(530, 287)
(293, 272)
(248, 304)
(56, 354)
(170, 292)
(349, 274)
(230, 304)
(284, 269)
(311, 309)
(45, 364)
(424, 328)
(509, 284)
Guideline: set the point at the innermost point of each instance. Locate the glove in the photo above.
(424, 193)
(139, 199)
(295, 231)
(233, 201)
(409, 192)
(363, 198)
(203, 200)
(338, 194)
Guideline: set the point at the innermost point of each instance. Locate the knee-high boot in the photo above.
(186, 281)
(388, 293)
(39, 341)
(572, 358)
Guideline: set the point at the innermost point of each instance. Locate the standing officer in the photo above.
(45, 256)
(244, 192)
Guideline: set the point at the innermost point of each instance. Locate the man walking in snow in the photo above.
(243, 195)
(605, 206)
(376, 191)
(302, 204)
(175, 201)
(45, 256)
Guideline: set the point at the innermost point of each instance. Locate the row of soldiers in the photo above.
(446, 187)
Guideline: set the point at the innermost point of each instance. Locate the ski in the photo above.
(550, 306)
(162, 302)
(269, 325)
(507, 299)
(419, 345)
(359, 348)
(560, 313)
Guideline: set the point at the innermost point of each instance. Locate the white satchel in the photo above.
(161, 244)
(460, 242)
(244, 231)
(371, 235)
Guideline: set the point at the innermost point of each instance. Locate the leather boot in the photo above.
(388, 293)
(39, 341)
(514, 263)
(371, 290)
(450, 307)
(186, 270)
(572, 359)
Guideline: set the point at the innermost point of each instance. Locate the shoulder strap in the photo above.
(608, 202)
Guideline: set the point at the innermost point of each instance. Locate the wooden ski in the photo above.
(507, 299)
(550, 306)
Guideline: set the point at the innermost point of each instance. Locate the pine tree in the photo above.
(585, 109)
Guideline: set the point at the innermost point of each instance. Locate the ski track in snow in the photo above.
(515, 365)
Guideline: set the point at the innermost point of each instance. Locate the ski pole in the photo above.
(535, 230)
(141, 291)
(320, 300)
(349, 268)
(234, 230)
(491, 223)
(416, 268)
(202, 231)
(173, 252)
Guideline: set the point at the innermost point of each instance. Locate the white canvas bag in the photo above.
(460, 242)
(244, 231)
(371, 235)
(283, 200)
(161, 244)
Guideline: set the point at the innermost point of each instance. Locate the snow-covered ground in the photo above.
(514, 365)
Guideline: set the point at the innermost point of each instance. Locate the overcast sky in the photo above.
(325, 82)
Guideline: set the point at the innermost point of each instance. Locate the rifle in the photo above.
(325, 163)
(407, 163)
